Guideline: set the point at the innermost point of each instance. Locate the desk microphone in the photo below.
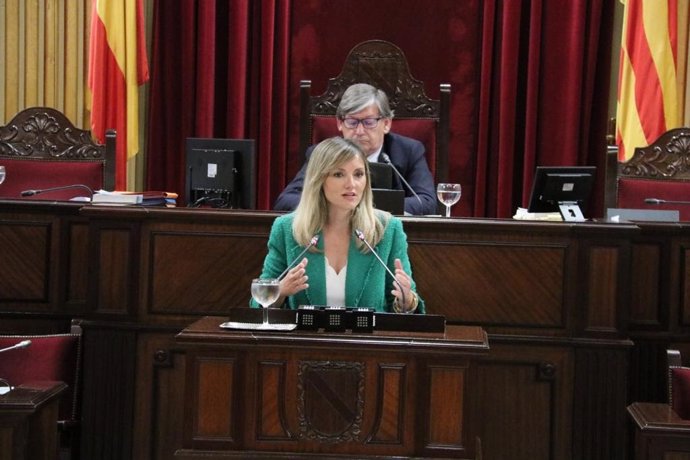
(360, 235)
(387, 160)
(22, 344)
(54, 189)
(659, 201)
(314, 240)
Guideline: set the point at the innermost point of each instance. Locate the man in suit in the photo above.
(364, 116)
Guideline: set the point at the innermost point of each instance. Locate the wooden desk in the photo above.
(381, 393)
(28, 421)
(578, 314)
(659, 433)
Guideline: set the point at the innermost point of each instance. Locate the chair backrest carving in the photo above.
(40, 148)
(660, 170)
(383, 65)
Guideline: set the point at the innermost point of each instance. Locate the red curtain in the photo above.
(530, 82)
(219, 69)
(545, 71)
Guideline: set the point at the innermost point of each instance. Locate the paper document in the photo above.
(522, 214)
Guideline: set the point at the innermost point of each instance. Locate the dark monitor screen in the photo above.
(381, 175)
(554, 186)
(384, 195)
(220, 173)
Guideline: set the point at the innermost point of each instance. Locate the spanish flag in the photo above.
(648, 91)
(117, 66)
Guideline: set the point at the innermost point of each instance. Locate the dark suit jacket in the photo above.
(406, 154)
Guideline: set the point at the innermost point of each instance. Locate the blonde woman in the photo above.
(340, 270)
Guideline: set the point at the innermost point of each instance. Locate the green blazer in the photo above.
(367, 283)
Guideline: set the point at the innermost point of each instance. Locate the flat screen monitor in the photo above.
(381, 175)
(220, 173)
(385, 196)
(563, 189)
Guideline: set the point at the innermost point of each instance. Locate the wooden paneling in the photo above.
(509, 284)
(27, 275)
(578, 315)
(206, 267)
(43, 258)
(307, 393)
(644, 302)
(517, 387)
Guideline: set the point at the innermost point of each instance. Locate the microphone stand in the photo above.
(660, 201)
(55, 189)
(360, 235)
(22, 344)
(387, 160)
(312, 242)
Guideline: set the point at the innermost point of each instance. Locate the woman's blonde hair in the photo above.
(312, 211)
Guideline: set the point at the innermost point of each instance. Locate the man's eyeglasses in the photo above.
(368, 123)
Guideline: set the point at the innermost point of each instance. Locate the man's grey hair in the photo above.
(360, 96)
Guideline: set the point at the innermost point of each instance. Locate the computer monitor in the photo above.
(220, 173)
(381, 175)
(561, 189)
(384, 195)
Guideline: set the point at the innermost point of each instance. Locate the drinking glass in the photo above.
(265, 291)
(448, 194)
(2, 174)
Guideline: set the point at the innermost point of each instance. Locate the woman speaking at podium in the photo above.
(336, 249)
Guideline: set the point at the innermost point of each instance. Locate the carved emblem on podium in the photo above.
(330, 400)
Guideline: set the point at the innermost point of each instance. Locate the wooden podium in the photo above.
(385, 393)
(28, 421)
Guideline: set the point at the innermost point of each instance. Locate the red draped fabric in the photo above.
(530, 83)
(545, 71)
(218, 70)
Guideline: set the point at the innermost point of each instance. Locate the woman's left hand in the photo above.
(404, 297)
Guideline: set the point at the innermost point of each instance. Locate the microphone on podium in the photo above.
(312, 242)
(22, 344)
(360, 235)
(55, 189)
(387, 160)
(660, 201)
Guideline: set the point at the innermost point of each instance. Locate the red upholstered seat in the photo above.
(49, 357)
(633, 192)
(40, 174)
(55, 357)
(660, 170)
(678, 384)
(680, 391)
(40, 148)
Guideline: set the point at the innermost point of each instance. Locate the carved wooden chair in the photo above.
(40, 148)
(382, 65)
(660, 170)
(53, 357)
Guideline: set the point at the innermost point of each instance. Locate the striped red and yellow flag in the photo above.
(647, 81)
(117, 66)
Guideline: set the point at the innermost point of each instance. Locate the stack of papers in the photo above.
(522, 214)
(150, 198)
(102, 196)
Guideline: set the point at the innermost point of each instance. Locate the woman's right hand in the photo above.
(295, 280)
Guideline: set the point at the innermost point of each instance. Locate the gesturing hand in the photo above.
(295, 280)
(404, 297)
